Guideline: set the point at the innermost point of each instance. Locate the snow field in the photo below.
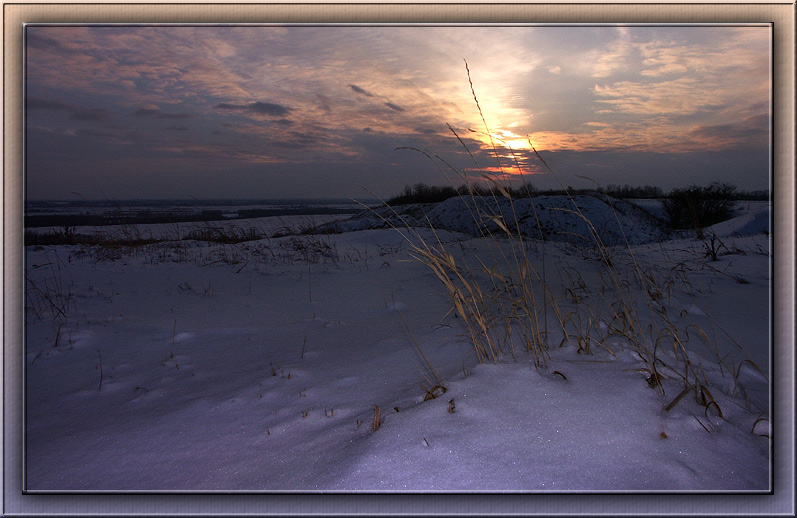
(256, 367)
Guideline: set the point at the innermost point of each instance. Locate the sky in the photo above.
(165, 112)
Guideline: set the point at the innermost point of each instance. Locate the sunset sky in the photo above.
(115, 112)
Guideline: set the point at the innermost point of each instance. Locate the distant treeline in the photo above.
(650, 192)
(422, 193)
(149, 217)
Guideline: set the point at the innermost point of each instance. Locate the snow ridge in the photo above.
(553, 218)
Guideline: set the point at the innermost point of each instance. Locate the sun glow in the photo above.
(502, 139)
(512, 140)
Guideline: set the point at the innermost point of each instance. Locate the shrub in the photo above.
(698, 207)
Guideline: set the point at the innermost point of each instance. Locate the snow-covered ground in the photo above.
(260, 366)
(265, 226)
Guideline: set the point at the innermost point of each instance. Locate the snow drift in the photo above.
(556, 218)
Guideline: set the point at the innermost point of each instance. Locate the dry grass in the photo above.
(51, 292)
(206, 245)
(505, 302)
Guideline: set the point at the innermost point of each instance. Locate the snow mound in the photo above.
(754, 221)
(556, 218)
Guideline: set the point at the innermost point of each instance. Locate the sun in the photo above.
(511, 140)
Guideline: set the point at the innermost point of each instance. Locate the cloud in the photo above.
(174, 116)
(324, 103)
(679, 56)
(660, 135)
(669, 58)
(612, 59)
(37, 41)
(752, 131)
(268, 108)
(75, 112)
(394, 107)
(155, 112)
(89, 114)
(256, 107)
(143, 112)
(37, 103)
(682, 96)
(361, 91)
(109, 60)
(661, 90)
(664, 69)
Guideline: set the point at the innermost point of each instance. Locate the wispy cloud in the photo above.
(158, 114)
(614, 58)
(75, 112)
(683, 96)
(749, 132)
(361, 91)
(258, 107)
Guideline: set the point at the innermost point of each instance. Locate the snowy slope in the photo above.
(556, 218)
(755, 219)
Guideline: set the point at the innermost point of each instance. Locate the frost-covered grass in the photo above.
(257, 366)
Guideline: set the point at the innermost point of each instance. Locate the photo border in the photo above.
(781, 502)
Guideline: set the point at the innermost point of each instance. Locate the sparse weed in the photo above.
(207, 244)
(713, 246)
(51, 293)
(226, 235)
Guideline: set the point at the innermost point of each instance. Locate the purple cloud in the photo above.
(361, 91)
(394, 107)
(256, 107)
(75, 112)
(154, 112)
